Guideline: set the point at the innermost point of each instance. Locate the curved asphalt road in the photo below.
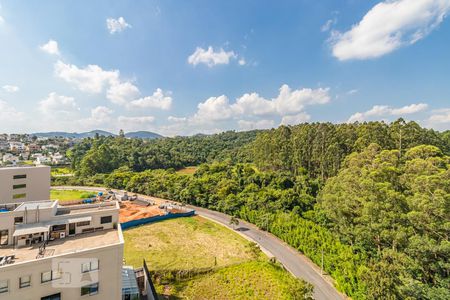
(292, 260)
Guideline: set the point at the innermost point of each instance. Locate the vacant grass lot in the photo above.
(250, 280)
(61, 171)
(184, 244)
(64, 195)
(187, 170)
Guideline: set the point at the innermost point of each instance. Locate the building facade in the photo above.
(53, 252)
(21, 184)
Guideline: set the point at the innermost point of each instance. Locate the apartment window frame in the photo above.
(90, 289)
(105, 219)
(20, 176)
(4, 237)
(52, 297)
(84, 223)
(25, 284)
(4, 286)
(90, 266)
(18, 220)
(19, 186)
(54, 275)
(20, 196)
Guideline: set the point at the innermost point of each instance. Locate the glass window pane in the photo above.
(94, 265)
(3, 286)
(25, 281)
(85, 267)
(46, 276)
(56, 274)
(94, 289)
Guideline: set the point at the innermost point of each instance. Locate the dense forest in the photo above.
(373, 197)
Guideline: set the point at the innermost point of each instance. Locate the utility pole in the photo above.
(322, 263)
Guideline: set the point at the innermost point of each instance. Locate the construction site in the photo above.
(134, 207)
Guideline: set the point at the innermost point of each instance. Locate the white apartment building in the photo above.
(24, 183)
(53, 252)
(17, 147)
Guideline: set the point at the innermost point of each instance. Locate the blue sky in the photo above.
(184, 67)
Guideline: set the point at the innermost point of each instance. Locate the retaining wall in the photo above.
(143, 221)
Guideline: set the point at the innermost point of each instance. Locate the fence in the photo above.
(143, 221)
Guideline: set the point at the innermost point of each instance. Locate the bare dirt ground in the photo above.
(130, 211)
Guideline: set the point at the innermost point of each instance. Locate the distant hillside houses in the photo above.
(29, 149)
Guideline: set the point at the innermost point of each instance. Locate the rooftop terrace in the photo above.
(67, 245)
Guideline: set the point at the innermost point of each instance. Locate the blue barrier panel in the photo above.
(143, 221)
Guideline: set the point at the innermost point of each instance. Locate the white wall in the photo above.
(37, 184)
(109, 275)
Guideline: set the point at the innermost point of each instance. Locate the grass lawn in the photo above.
(61, 171)
(184, 244)
(187, 170)
(250, 280)
(238, 269)
(65, 195)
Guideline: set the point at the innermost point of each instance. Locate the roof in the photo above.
(31, 228)
(35, 205)
(69, 245)
(129, 283)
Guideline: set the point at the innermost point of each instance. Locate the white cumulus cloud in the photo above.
(439, 117)
(289, 105)
(122, 92)
(116, 25)
(295, 119)
(259, 124)
(91, 79)
(388, 26)
(10, 88)
(254, 104)
(211, 57)
(159, 99)
(51, 47)
(176, 119)
(56, 104)
(137, 120)
(385, 111)
(214, 109)
(9, 113)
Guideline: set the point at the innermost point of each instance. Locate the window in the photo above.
(25, 281)
(23, 176)
(91, 289)
(46, 276)
(19, 186)
(3, 286)
(50, 275)
(4, 237)
(107, 219)
(89, 266)
(86, 223)
(59, 227)
(18, 220)
(52, 297)
(19, 196)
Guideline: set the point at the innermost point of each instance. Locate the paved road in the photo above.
(297, 264)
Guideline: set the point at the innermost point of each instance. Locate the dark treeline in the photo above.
(105, 154)
(320, 148)
(373, 197)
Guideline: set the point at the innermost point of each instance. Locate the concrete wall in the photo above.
(134, 223)
(37, 184)
(109, 276)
